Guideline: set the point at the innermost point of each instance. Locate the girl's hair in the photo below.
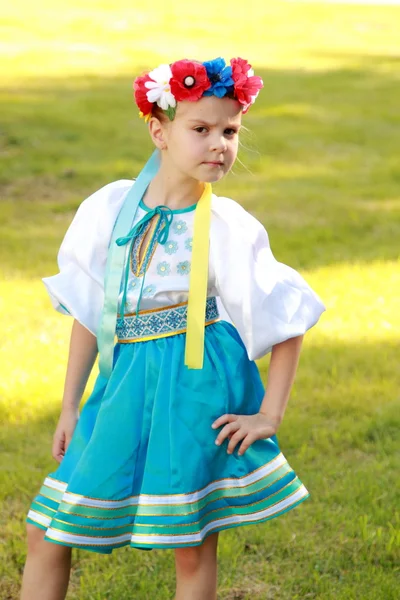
(159, 114)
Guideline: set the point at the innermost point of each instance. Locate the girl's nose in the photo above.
(218, 144)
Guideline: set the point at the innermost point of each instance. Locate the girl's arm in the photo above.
(249, 428)
(281, 373)
(82, 355)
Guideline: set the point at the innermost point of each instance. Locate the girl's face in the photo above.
(202, 141)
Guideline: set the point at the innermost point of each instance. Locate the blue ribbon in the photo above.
(115, 263)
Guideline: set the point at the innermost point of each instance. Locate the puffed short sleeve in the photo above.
(78, 288)
(267, 301)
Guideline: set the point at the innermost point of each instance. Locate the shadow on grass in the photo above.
(323, 161)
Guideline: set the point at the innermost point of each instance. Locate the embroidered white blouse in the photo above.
(267, 301)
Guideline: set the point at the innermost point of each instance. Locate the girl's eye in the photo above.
(229, 131)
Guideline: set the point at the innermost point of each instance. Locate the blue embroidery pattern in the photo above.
(179, 227)
(163, 268)
(149, 291)
(183, 267)
(166, 320)
(133, 285)
(189, 244)
(171, 247)
(129, 307)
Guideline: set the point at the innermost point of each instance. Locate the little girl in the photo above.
(177, 440)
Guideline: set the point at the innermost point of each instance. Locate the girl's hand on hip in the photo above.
(248, 428)
(63, 434)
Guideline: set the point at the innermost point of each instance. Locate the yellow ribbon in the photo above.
(194, 348)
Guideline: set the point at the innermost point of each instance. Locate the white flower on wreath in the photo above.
(159, 88)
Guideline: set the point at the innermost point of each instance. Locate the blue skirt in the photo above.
(142, 468)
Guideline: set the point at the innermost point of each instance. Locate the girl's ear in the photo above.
(158, 133)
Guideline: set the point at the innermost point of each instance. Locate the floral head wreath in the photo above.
(190, 80)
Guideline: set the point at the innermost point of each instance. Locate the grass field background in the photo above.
(320, 170)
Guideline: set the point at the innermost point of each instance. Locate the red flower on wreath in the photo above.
(246, 87)
(140, 93)
(189, 80)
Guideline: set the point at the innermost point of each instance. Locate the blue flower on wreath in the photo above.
(189, 244)
(149, 291)
(163, 269)
(220, 76)
(183, 268)
(179, 227)
(171, 247)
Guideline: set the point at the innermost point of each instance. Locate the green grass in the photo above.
(320, 170)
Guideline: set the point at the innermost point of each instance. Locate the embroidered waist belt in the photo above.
(160, 322)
